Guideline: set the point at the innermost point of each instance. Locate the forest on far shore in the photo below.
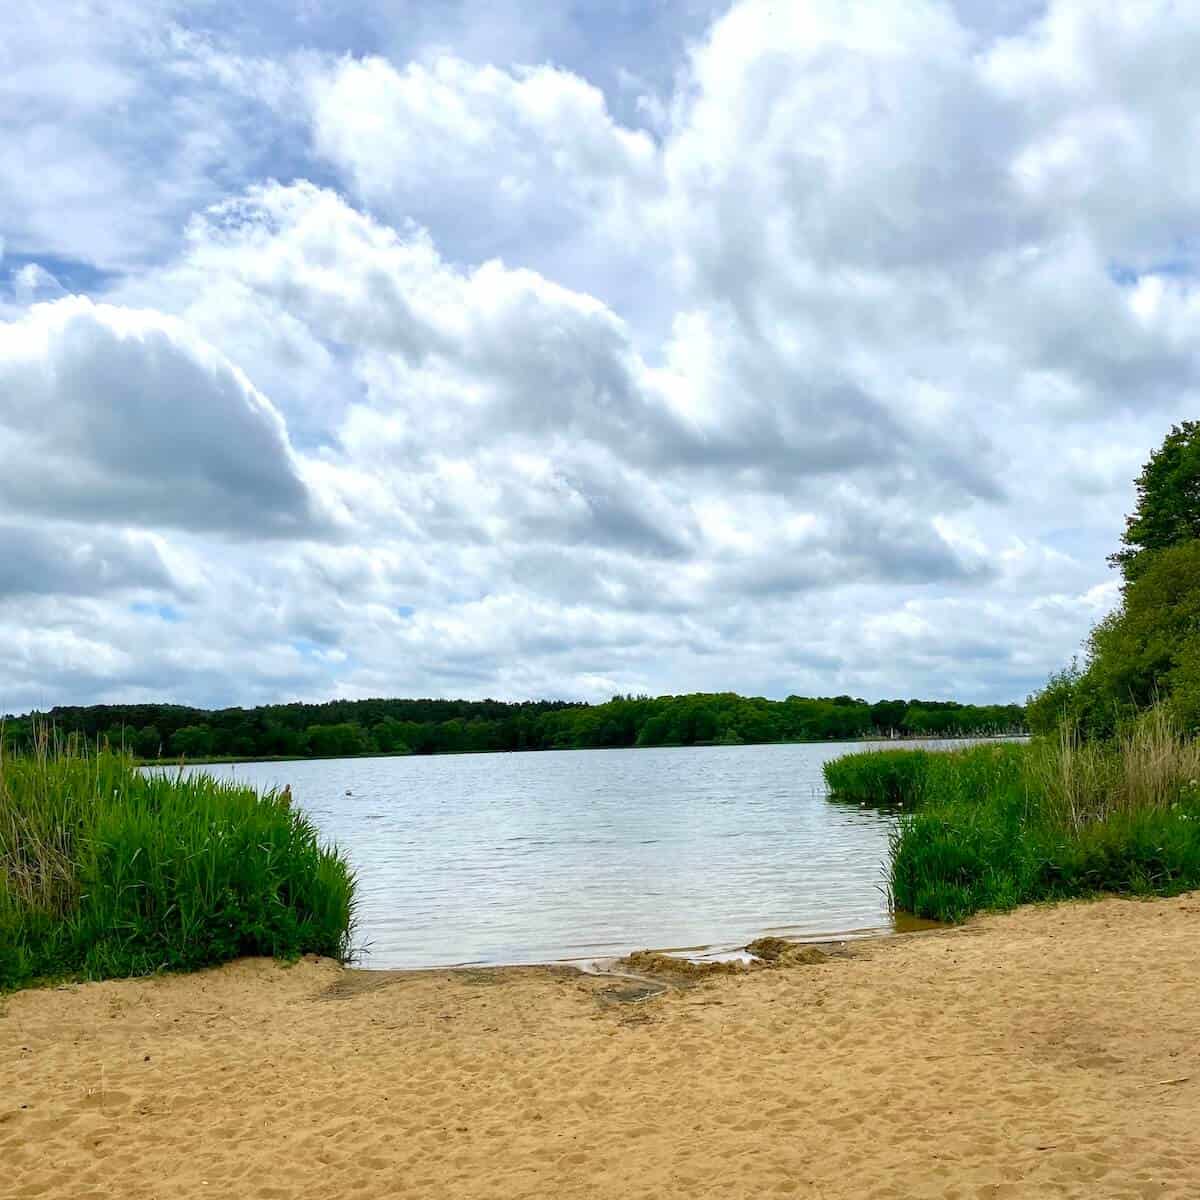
(344, 727)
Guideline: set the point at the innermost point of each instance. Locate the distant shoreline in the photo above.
(231, 759)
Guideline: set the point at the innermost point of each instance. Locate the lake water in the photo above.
(526, 858)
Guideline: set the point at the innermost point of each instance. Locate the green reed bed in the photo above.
(107, 871)
(878, 776)
(994, 826)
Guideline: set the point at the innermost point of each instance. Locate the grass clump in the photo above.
(1055, 819)
(906, 777)
(106, 871)
(878, 776)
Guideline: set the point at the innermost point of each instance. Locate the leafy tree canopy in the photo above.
(1147, 651)
(1168, 506)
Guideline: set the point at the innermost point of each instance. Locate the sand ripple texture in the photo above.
(1050, 1052)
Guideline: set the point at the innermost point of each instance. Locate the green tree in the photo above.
(15, 734)
(118, 738)
(887, 715)
(389, 736)
(1184, 681)
(147, 742)
(703, 724)
(1168, 506)
(1142, 652)
(192, 741)
(336, 740)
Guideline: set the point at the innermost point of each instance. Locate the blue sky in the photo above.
(530, 350)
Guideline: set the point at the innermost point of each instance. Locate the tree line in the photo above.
(339, 728)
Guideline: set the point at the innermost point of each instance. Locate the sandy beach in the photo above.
(1049, 1052)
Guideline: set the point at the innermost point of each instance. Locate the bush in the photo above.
(905, 777)
(106, 871)
(1055, 819)
(878, 776)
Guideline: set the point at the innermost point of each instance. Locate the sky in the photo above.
(516, 349)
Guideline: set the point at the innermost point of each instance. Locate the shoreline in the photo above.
(1051, 1051)
(231, 760)
(903, 925)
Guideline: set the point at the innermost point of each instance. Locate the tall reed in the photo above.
(105, 870)
(1147, 768)
(905, 777)
(997, 825)
(882, 777)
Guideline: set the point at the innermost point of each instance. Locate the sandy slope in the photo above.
(1053, 1052)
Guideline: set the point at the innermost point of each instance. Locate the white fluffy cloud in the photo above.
(121, 415)
(492, 138)
(526, 163)
(825, 366)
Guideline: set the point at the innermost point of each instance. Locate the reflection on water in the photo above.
(523, 858)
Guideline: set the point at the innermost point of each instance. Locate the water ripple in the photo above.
(534, 857)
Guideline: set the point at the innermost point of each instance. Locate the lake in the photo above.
(527, 858)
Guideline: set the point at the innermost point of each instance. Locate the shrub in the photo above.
(878, 776)
(905, 777)
(108, 871)
(1057, 818)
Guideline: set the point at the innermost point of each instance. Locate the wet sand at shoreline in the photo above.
(1048, 1052)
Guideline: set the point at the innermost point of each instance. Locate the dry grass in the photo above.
(1148, 768)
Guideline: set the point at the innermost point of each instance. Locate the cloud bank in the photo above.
(414, 362)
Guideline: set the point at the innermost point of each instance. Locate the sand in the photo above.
(1049, 1052)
